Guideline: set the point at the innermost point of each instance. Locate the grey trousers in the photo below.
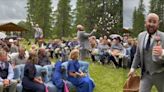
(84, 53)
(148, 81)
(10, 88)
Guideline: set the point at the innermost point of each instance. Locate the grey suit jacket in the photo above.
(83, 39)
(139, 55)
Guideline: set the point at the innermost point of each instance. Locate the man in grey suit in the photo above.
(152, 71)
(84, 41)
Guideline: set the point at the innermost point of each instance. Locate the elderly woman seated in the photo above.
(78, 78)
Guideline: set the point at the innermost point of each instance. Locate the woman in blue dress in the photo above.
(82, 82)
(57, 78)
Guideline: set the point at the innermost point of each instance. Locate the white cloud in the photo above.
(128, 9)
(12, 9)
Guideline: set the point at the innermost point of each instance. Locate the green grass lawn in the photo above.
(107, 78)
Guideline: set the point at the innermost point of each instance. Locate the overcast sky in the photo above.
(14, 10)
(128, 9)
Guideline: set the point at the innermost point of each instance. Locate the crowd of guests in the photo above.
(12, 53)
(105, 50)
(116, 49)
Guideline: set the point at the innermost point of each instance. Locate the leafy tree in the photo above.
(109, 16)
(106, 14)
(25, 25)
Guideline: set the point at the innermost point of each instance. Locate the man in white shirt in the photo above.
(6, 74)
(38, 33)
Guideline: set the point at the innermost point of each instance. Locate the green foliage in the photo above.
(63, 16)
(40, 12)
(157, 6)
(138, 19)
(106, 14)
(27, 34)
(110, 16)
(81, 15)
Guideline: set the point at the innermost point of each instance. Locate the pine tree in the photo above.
(138, 19)
(40, 12)
(63, 23)
(157, 6)
(81, 13)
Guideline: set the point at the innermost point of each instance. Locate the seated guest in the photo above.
(58, 78)
(117, 52)
(50, 48)
(103, 50)
(93, 44)
(30, 82)
(43, 58)
(33, 48)
(14, 46)
(82, 82)
(20, 57)
(6, 74)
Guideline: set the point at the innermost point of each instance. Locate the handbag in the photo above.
(65, 87)
(46, 89)
(132, 84)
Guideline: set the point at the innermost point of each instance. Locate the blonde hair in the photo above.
(80, 27)
(33, 57)
(74, 54)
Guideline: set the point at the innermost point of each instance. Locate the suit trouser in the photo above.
(10, 88)
(84, 53)
(147, 81)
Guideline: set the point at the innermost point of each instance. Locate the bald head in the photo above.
(152, 15)
(152, 23)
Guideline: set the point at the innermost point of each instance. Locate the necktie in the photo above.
(148, 43)
(2, 66)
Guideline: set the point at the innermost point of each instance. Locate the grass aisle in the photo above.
(107, 78)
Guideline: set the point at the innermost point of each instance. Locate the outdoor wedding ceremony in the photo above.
(81, 45)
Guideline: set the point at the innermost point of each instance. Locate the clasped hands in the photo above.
(81, 74)
(38, 80)
(116, 53)
(6, 82)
